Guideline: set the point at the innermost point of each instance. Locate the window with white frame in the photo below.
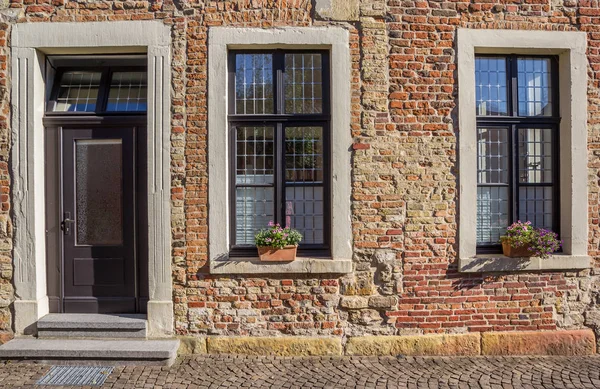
(279, 145)
(522, 144)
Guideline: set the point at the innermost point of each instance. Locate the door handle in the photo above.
(65, 225)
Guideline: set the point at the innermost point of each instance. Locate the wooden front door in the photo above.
(99, 214)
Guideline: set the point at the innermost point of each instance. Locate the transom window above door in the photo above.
(279, 135)
(517, 144)
(90, 89)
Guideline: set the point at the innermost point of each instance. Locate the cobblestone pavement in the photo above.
(341, 372)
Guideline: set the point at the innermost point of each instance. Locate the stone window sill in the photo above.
(485, 263)
(302, 265)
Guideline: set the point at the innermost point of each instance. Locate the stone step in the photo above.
(94, 351)
(91, 325)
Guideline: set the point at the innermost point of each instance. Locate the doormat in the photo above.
(76, 376)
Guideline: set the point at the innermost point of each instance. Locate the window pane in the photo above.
(99, 191)
(254, 155)
(254, 84)
(535, 205)
(492, 156)
(127, 92)
(535, 91)
(78, 92)
(492, 214)
(535, 155)
(491, 91)
(304, 212)
(303, 83)
(253, 211)
(304, 154)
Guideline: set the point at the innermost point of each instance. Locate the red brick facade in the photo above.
(404, 174)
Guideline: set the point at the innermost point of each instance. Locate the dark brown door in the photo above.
(99, 213)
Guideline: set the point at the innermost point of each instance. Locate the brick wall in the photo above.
(404, 123)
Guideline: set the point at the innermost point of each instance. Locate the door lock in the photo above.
(65, 225)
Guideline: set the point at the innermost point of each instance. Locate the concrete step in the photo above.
(91, 325)
(94, 351)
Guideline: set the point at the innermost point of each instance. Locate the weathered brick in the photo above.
(404, 174)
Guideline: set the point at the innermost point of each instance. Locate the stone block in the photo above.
(279, 346)
(190, 345)
(462, 344)
(354, 302)
(6, 337)
(383, 302)
(361, 284)
(385, 257)
(575, 342)
(366, 317)
(341, 10)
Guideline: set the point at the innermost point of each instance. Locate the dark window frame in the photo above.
(280, 120)
(103, 89)
(513, 122)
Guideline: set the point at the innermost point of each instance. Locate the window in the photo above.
(333, 256)
(90, 89)
(279, 140)
(565, 52)
(517, 144)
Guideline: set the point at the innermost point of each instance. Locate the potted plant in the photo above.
(276, 243)
(523, 240)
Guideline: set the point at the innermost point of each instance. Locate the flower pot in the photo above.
(516, 252)
(272, 254)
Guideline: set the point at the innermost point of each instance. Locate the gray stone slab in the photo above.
(299, 266)
(68, 321)
(484, 263)
(92, 349)
(92, 333)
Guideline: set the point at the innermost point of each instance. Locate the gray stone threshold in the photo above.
(69, 325)
(133, 351)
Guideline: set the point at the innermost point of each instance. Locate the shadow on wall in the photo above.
(493, 265)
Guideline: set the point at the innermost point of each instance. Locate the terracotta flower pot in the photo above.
(516, 252)
(272, 254)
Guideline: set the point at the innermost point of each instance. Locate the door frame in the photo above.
(54, 182)
(30, 43)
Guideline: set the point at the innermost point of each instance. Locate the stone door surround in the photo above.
(31, 42)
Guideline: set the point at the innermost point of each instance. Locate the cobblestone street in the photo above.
(341, 372)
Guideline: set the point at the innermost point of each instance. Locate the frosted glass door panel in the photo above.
(99, 191)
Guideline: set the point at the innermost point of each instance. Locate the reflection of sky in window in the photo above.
(535, 97)
(128, 92)
(78, 92)
(491, 91)
(254, 84)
